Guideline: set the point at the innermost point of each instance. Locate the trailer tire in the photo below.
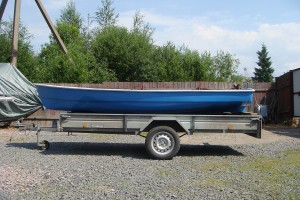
(44, 145)
(162, 143)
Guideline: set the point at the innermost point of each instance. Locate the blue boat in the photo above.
(122, 101)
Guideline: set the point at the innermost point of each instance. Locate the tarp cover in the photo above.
(18, 96)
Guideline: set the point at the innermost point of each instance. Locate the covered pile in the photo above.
(18, 96)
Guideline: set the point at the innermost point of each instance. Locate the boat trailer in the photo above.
(162, 132)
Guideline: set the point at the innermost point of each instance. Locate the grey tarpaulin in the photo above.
(18, 96)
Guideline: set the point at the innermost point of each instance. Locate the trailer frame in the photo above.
(162, 130)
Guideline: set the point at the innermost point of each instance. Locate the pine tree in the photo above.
(264, 73)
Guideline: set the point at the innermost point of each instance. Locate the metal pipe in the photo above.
(15, 39)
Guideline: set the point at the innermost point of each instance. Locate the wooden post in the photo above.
(15, 39)
(51, 26)
(2, 9)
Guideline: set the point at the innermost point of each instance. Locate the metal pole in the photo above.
(15, 39)
(2, 9)
(51, 26)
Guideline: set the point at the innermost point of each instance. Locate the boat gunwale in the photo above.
(136, 90)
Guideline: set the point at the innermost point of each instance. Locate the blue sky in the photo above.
(235, 26)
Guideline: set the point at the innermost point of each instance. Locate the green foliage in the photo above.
(141, 27)
(126, 53)
(79, 65)
(203, 71)
(26, 57)
(5, 48)
(57, 67)
(54, 65)
(184, 64)
(224, 68)
(169, 63)
(70, 15)
(195, 65)
(264, 73)
(106, 16)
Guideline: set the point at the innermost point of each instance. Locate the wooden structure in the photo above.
(288, 95)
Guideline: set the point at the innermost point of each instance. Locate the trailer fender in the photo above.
(172, 122)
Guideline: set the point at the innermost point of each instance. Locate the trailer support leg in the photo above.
(38, 136)
(44, 145)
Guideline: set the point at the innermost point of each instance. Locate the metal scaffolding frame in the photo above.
(16, 24)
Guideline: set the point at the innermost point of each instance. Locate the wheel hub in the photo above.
(162, 143)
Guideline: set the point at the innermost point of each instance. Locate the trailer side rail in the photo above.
(135, 124)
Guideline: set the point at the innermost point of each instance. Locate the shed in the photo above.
(288, 95)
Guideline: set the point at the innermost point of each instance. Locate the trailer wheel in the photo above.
(162, 142)
(44, 145)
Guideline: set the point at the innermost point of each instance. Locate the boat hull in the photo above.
(117, 101)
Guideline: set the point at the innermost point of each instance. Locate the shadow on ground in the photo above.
(124, 149)
(284, 131)
(207, 150)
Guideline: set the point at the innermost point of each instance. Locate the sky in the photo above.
(238, 27)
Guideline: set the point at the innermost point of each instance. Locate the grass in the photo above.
(212, 183)
(166, 172)
(274, 173)
(262, 175)
(224, 165)
(288, 165)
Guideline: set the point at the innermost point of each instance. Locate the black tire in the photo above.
(44, 145)
(162, 143)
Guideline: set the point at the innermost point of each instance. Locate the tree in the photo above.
(127, 54)
(224, 68)
(106, 16)
(196, 66)
(26, 58)
(70, 15)
(264, 73)
(202, 71)
(78, 66)
(5, 48)
(168, 60)
(115, 53)
(140, 26)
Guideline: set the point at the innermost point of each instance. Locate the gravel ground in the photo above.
(96, 166)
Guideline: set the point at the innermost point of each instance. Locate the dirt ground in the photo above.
(270, 134)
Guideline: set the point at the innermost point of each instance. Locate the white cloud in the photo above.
(283, 43)
(287, 34)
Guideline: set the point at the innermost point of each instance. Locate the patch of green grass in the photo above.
(144, 134)
(213, 166)
(288, 165)
(273, 173)
(268, 174)
(212, 182)
(48, 191)
(166, 172)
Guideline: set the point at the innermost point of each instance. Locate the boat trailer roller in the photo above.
(162, 132)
